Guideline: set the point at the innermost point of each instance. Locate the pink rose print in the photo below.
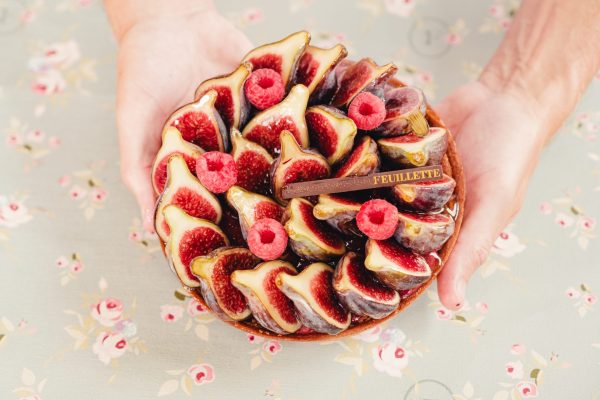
(134, 236)
(517, 349)
(36, 136)
(108, 311)
(170, 313)
(48, 83)
(527, 390)
(76, 267)
(497, 10)
(253, 16)
(481, 307)
(546, 208)
(13, 212)
(393, 335)
(54, 142)
(370, 335)
(62, 55)
(590, 299)
(64, 180)
(572, 293)
(563, 220)
(77, 193)
(194, 308)
(98, 194)
(61, 262)
(453, 38)
(390, 358)
(443, 313)
(13, 139)
(253, 338)
(272, 346)
(109, 346)
(514, 369)
(507, 245)
(126, 327)
(201, 373)
(587, 223)
(401, 8)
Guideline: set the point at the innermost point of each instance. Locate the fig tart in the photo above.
(319, 267)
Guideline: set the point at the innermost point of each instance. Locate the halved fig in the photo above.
(423, 233)
(360, 291)
(251, 207)
(414, 151)
(266, 126)
(331, 132)
(231, 102)
(230, 224)
(281, 56)
(424, 196)
(394, 266)
(362, 75)
(339, 212)
(172, 143)
(189, 238)
(296, 165)
(405, 112)
(316, 303)
(200, 123)
(214, 272)
(363, 160)
(316, 65)
(308, 237)
(269, 306)
(253, 163)
(185, 191)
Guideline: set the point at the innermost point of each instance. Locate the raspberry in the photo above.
(267, 239)
(216, 171)
(367, 111)
(264, 88)
(377, 219)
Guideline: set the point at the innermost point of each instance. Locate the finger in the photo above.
(480, 229)
(139, 182)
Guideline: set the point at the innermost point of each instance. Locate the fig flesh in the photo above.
(253, 164)
(363, 160)
(251, 207)
(315, 67)
(414, 151)
(424, 196)
(406, 108)
(423, 233)
(331, 132)
(339, 212)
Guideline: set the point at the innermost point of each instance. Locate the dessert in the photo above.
(305, 268)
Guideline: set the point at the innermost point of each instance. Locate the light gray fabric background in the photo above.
(88, 307)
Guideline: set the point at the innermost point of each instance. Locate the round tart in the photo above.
(290, 113)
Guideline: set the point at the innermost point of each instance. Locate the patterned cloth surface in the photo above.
(89, 309)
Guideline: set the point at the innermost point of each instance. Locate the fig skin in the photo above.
(309, 309)
(423, 233)
(203, 268)
(410, 151)
(392, 269)
(300, 225)
(315, 67)
(363, 160)
(258, 299)
(356, 299)
(324, 122)
(339, 213)
(246, 204)
(400, 116)
(423, 196)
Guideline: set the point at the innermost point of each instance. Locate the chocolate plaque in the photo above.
(352, 183)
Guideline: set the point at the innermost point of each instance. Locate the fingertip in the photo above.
(451, 289)
(148, 220)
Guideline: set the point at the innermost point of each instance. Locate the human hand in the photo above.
(161, 62)
(498, 135)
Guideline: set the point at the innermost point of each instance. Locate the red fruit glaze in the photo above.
(367, 111)
(307, 69)
(267, 135)
(271, 61)
(267, 239)
(266, 209)
(323, 135)
(223, 103)
(352, 159)
(253, 172)
(305, 170)
(377, 219)
(232, 298)
(264, 88)
(366, 282)
(198, 242)
(193, 204)
(198, 128)
(230, 225)
(405, 259)
(160, 175)
(318, 228)
(216, 171)
(276, 297)
(321, 288)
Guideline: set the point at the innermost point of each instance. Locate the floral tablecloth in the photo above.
(89, 309)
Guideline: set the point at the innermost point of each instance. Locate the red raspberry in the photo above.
(367, 111)
(216, 171)
(377, 219)
(264, 88)
(267, 239)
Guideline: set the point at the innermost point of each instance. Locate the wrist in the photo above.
(124, 15)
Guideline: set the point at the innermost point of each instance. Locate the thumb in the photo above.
(483, 222)
(138, 180)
